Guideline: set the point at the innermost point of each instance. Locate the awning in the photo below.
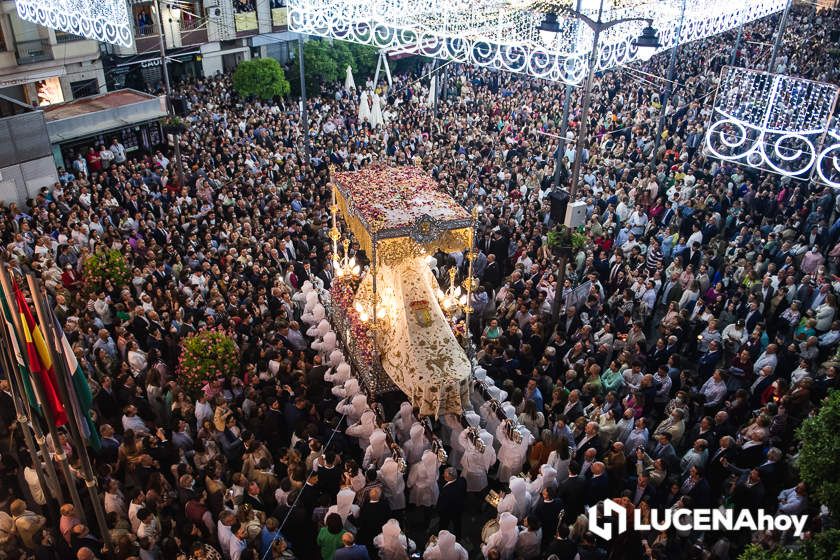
(92, 115)
(153, 59)
(268, 38)
(19, 78)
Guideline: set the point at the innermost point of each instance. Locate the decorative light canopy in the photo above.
(107, 21)
(827, 168)
(539, 38)
(772, 122)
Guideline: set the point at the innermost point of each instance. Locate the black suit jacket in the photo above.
(372, 516)
(574, 413)
(580, 450)
(493, 275)
(452, 497)
(715, 471)
(701, 494)
(598, 488)
(573, 494)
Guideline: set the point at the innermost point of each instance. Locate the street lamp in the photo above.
(549, 29)
(647, 43)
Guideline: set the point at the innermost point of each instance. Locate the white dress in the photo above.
(394, 484)
(446, 548)
(417, 443)
(504, 540)
(475, 465)
(511, 454)
(423, 481)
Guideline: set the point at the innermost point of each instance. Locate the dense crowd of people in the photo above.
(709, 333)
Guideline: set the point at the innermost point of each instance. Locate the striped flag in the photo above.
(6, 310)
(40, 362)
(82, 398)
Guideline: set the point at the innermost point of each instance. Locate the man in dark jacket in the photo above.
(373, 514)
(450, 504)
(573, 492)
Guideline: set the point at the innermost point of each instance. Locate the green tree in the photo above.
(820, 450)
(340, 52)
(320, 67)
(823, 546)
(260, 77)
(364, 61)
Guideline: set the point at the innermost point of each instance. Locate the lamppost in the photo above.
(175, 10)
(669, 86)
(646, 44)
(771, 67)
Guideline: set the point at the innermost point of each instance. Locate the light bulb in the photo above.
(380, 313)
(463, 300)
(363, 316)
(358, 307)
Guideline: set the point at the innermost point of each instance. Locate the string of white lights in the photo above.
(775, 123)
(107, 21)
(503, 34)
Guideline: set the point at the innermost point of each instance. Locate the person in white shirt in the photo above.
(238, 544)
(118, 150)
(107, 156)
(224, 532)
(131, 421)
(149, 527)
(714, 389)
(137, 503)
(793, 501)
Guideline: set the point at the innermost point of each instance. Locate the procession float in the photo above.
(399, 327)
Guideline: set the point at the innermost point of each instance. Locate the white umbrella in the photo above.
(349, 82)
(364, 108)
(432, 92)
(376, 111)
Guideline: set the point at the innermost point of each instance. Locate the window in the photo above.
(84, 88)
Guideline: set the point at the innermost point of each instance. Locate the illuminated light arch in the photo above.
(107, 21)
(503, 34)
(772, 122)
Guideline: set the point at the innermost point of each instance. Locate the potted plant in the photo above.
(174, 125)
(207, 355)
(103, 265)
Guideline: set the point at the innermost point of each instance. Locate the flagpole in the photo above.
(16, 386)
(60, 455)
(57, 355)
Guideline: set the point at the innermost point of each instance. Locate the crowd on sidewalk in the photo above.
(709, 333)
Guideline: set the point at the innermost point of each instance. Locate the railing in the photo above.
(30, 52)
(147, 30)
(192, 24)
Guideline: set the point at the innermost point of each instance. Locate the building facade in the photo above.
(202, 38)
(40, 66)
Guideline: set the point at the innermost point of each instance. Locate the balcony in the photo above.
(193, 31)
(146, 38)
(30, 52)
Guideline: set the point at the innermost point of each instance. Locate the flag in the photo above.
(16, 349)
(82, 398)
(40, 363)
